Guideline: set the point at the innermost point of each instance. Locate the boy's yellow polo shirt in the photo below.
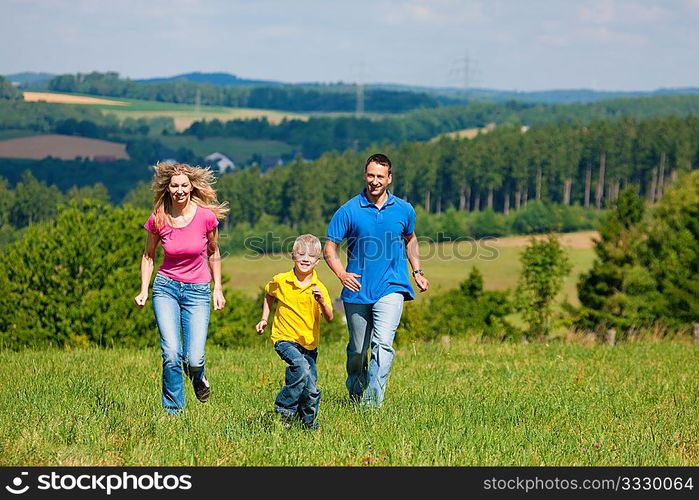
(297, 315)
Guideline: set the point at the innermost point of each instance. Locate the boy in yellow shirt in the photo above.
(296, 330)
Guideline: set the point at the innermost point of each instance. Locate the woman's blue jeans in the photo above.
(182, 313)
(300, 396)
(371, 325)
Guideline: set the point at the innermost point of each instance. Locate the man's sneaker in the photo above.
(202, 390)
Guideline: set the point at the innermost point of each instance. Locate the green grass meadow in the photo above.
(459, 404)
(453, 402)
(185, 114)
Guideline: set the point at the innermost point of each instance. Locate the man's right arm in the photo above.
(348, 280)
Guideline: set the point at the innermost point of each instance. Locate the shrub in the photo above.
(467, 310)
(544, 266)
(71, 282)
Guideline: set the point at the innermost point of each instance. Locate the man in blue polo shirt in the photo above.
(380, 233)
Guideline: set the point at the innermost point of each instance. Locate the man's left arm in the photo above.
(412, 250)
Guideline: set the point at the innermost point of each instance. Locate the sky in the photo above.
(519, 45)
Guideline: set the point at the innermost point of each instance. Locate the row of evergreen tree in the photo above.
(502, 170)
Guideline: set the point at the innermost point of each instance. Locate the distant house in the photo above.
(222, 163)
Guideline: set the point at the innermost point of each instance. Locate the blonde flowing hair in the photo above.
(203, 194)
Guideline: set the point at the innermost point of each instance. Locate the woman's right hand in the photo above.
(140, 299)
(260, 327)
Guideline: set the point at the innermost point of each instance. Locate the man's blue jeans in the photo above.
(300, 396)
(181, 307)
(371, 325)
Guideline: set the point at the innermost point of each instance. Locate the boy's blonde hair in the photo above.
(307, 242)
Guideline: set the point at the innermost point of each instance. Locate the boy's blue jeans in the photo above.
(371, 325)
(299, 396)
(186, 307)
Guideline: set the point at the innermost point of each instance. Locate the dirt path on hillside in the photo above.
(581, 240)
(69, 99)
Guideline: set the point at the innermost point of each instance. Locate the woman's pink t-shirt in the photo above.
(185, 247)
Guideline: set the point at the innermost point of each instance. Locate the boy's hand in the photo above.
(318, 295)
(260, 327)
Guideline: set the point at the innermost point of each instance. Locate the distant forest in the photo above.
(287, 98)
(500, 171)
(569, 154)
(320, 134)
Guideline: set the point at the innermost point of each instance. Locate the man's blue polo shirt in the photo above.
(375, 246)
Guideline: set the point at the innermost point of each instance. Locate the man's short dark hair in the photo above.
(381, 159)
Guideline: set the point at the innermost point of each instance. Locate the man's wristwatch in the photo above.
(418, 271)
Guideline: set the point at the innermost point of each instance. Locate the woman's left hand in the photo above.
(219, 299)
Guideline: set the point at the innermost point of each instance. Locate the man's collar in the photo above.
(364, 201)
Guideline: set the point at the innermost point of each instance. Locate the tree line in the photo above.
(282, 97)
(84, 121)
(8, 91)
(317, 135)
(501, 171)
(503, 182)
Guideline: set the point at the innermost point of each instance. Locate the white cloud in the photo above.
(604, 36)
(648, 13)
(597, 11)
(439, 12)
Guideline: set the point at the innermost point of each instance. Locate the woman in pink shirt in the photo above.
(184, 219)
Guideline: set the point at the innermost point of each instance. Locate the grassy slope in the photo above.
(239, 150)
(464, 404)
(185, 114)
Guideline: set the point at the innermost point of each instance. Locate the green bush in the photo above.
(71, 282)
(467, 310)
(646, 274)
(536, 217)
(487, 223)
(545, 264)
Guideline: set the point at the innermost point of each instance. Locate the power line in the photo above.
(463, 73)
